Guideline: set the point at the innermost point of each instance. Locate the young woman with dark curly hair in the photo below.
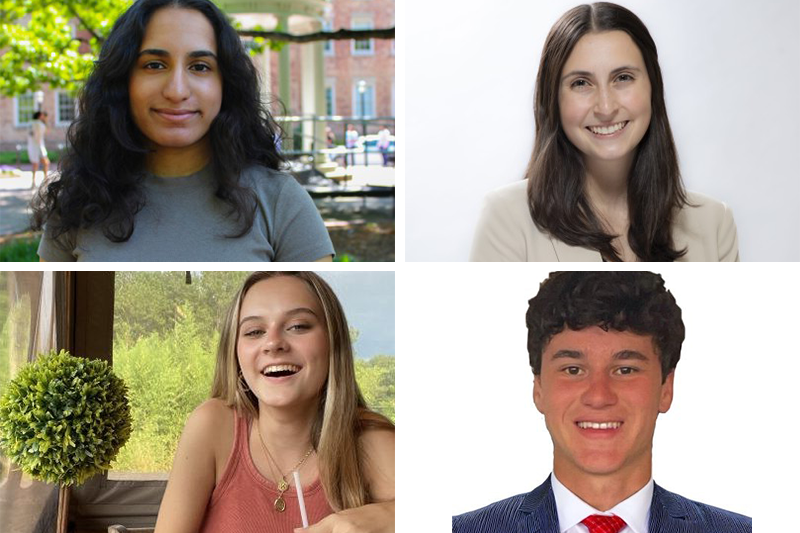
(173, 156)
(603, 182)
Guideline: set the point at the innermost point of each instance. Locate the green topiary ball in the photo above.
(63, 418)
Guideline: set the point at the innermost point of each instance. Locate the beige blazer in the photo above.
(506, 232)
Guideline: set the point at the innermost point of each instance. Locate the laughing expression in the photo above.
(601, 392)
(604, 96)
(282, 344)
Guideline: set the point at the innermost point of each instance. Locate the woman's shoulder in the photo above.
(705, 226)
(206, 421)
(515, 194)
(702, 209)
(505, 230)
(261, 177)
(271, 185)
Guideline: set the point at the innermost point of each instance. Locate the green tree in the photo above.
(55, 43)
(168, 375)
(376, 380)
(42, 41)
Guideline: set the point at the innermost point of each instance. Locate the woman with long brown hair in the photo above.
(603, 182)
(284, 402)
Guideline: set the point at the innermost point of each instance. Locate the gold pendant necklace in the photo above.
(283, 485)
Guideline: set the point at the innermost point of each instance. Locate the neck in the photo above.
(177, 162)
(603, 491)
(606, 188)
(286, 432)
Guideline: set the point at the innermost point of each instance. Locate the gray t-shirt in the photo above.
(183, 220)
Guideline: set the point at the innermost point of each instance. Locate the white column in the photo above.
(313, 91)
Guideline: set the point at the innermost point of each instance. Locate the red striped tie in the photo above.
(598, 523)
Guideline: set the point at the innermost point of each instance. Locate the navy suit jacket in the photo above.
(535, 512)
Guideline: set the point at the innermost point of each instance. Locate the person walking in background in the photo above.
(383, 144)
(37, 153)
(350, 141)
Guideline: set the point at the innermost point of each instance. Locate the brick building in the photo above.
(346, 63)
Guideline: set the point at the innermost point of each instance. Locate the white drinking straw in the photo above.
(300, 498)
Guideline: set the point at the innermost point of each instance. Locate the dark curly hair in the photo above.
(624, 301)
(102, 171)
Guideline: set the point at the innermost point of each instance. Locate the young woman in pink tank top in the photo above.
(284, 400)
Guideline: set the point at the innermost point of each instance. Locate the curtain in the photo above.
(30, 323)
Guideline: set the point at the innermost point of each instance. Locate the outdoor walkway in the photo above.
(15, 195)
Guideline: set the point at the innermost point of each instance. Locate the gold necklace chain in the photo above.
(283, 485)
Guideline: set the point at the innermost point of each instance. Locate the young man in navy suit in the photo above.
(603, 347)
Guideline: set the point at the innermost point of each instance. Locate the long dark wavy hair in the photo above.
(102, 170)
(623, 301)
(556, 173)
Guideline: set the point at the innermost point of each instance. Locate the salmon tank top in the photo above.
(242, 501)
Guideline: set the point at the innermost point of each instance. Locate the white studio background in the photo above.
(731, 71)
(474, 437)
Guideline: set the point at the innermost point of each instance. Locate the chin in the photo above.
(600, 467)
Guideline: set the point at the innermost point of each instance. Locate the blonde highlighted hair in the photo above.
(342, 414)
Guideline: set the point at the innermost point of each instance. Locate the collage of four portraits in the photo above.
(202, 395)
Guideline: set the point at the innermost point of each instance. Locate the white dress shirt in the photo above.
(635, 510)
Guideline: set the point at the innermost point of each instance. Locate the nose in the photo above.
(606, 104)
(275, 341)
(177, 87)
(599, 393)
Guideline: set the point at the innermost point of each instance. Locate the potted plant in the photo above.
(63, 419)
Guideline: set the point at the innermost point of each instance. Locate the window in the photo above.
(330, 96)
(328, 48)
(25, 108)
(362, 47)
(26, 329)
(66, 108)
(364, 102)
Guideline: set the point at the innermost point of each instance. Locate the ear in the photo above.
(666, 393)
(537, 392)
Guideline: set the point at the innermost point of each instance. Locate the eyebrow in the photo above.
(591, 74)
(163, 53)
(624, 355)
(288, 314)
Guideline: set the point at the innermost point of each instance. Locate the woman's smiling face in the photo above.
(604, 96)
(282, 343)
(175, 86)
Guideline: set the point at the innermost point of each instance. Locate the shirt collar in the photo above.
(635, 510)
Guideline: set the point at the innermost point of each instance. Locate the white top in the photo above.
(635, 510)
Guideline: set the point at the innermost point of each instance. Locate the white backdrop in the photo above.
(473, 436)
(731, 71)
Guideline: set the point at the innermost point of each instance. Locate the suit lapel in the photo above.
(565, 252)
(537, 513)
(668, 514)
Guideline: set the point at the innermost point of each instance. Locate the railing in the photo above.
(292, 126)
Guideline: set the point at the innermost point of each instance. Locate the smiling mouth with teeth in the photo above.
(599, 425)
(279, 371)
(608, 130)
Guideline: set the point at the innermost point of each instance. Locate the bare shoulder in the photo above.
(194, 470)
(377, 449)
(212, 424)
(211, 411)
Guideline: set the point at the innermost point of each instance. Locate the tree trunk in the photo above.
(63, 509)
